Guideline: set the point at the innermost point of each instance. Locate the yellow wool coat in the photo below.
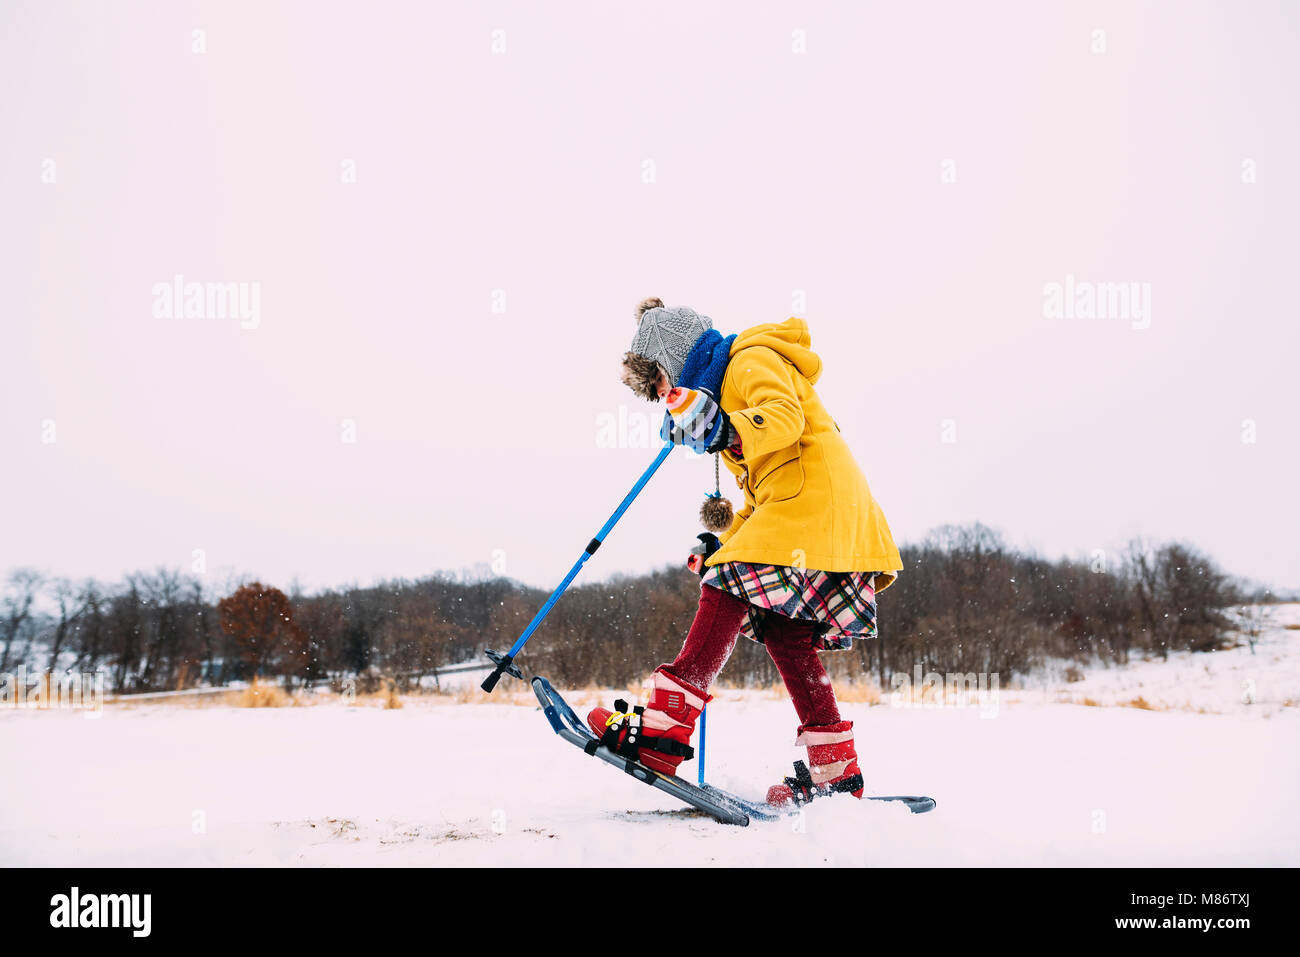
(807, 502)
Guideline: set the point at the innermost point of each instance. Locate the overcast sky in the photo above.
(445, 215)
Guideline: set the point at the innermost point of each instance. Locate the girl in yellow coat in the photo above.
(797, 568)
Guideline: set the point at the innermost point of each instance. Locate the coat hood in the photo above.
(790, 339)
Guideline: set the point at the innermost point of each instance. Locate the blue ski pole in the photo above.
(704, 714)
(505, 663)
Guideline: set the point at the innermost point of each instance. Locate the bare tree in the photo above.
(1252, 621)
(71, 604)
(23, 585)
(90, 634)
(966, 602)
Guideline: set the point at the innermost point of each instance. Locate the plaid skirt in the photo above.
(843, 604)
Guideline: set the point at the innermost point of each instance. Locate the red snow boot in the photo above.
(834, 766)
(658, 735)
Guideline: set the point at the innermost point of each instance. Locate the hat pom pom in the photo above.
(715, 513)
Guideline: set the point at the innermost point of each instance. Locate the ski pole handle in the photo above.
(505, 666)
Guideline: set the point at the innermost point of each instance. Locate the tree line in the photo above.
(965, 602)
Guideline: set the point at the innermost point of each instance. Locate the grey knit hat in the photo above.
(667, 335)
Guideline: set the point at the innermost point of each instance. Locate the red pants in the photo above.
(713, 636)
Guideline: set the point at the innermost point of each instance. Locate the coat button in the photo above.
(758, 420)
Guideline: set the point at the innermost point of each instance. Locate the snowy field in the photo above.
(1211, 776)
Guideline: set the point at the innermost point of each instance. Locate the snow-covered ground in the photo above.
(1035, 780)
(1262, 684)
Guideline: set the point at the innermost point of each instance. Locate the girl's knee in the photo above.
(787, 634)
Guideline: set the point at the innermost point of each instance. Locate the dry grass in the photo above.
(850, 692)
(590, 696)
(386, 697)
(1087, 702)
(775, 690)
(216, 696)
(1084, 702)
(1142, 704)
(859, 690)
(264, 694)
(856, 692)
(392, 700)
(512, 691)
(259, 695)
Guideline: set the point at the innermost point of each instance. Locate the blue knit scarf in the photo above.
(704, 368)
(706, 363)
